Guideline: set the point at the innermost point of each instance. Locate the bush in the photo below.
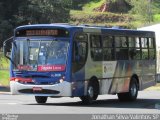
(98, 18)
(156, 18)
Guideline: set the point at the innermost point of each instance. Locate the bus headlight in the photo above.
(16, 80)
(62, 79)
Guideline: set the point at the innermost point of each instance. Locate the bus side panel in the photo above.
(144, 70)
(148, 73)
(108, 71)
(78, 83)
(121, 78)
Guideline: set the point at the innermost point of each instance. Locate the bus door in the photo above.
(79, 57)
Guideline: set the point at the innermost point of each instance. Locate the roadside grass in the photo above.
(156, 87)
(4, 70)
(4, 62)
(4, 77)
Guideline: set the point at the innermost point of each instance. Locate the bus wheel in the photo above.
(132, 94)
(92, 93)
(41, 99)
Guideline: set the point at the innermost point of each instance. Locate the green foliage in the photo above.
(99, 18)
(19, 12)
(93, 4)
(48, 11)
(156, 18)
(4, 79)
(4, 70)
(78, 4)
(156, 6)
(142, 8)
(5, 30)
(4, 62)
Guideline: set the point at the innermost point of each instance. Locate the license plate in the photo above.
(37, 89)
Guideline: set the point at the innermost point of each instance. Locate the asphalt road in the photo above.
(106, 104)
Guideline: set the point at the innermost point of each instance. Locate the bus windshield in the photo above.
(40, 55)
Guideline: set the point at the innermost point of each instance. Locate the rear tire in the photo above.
(132, 94)
(92, 93)
(41, 99)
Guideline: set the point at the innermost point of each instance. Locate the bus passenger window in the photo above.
(80, 52)
(151, 43)
(108, 48)
(108, 54)
(137, 49)
(96, 48)
(138, 54)
(132, 53)
(144, 43)
(132, 49)
(131, 42)
(151, 48)
(151, 54)
(144, 46)
(79, 55)
(121, 48)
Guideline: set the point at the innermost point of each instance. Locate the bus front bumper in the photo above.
(61, 89)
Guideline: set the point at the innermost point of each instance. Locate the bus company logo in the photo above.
(51, 68)
(46, 68)
(107, 68)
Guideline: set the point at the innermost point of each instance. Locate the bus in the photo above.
(62, 60)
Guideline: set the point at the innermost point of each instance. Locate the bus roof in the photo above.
(91, 29)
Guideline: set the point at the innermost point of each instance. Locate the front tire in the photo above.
(92, 93)
(41, 99)
(132, 94)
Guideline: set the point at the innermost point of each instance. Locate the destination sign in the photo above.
(42, 32)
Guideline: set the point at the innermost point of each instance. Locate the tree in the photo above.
(19, 12)
(156, 6)
(143, 8)
(78, 4)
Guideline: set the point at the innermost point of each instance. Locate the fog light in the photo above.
(61, 80)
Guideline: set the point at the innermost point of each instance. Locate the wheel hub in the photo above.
(133, 90)
(90, 91)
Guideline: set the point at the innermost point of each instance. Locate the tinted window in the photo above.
(80, 51)
(108, 48)
(96, 48)
(121, 44)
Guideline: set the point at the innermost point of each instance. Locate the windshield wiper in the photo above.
(28, 44)
(38, 52)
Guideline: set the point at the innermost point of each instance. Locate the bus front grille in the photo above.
(43, 91)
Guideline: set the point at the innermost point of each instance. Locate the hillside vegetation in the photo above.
(124, 13)
(99, 18)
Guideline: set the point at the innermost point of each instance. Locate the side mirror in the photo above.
(7, 45)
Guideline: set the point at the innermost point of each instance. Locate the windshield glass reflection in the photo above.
(29, 54)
